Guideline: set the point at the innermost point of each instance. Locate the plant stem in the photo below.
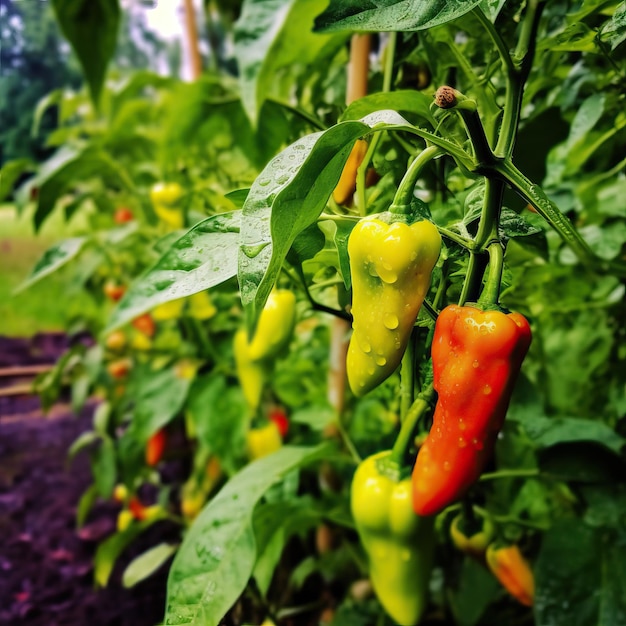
(405, 438)
(442, 287)
(510, 473)
(536, 197)
(490, 214)
(507, 519)
(361, 173)
(430, 309)
(407, 372)
(472, 277)
(469, 244)
(390, 53)
(516, 78)
(354, 453)
(476, 133)
(503, 52)
(316, 305)
(491, 292)
(305, 115)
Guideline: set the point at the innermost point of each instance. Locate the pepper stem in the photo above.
(491, 292)
(402, 200)
(406, 378)
(404, 441)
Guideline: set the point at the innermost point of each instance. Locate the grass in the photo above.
(46, 305)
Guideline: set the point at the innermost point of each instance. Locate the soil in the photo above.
(46, 571)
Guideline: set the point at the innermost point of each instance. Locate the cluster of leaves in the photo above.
(257, 205)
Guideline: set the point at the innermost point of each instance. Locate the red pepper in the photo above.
(477, 357)
(137, 508)
(279, 417)
(123, 215)
(155, 447)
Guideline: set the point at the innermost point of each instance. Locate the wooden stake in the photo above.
(191, 35)
(358, 70)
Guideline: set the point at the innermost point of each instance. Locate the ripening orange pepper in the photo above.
(513, 572)
(477, 356)
(119, 368)
(114, 291)
(346, 186)
(155, 447)
(123, 215)
(145, 324)
(116, 341)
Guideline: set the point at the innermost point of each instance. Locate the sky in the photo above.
(166, 18)
(163, 17)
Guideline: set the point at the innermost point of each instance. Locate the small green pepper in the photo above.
(473, 541)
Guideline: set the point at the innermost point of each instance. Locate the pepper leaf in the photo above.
(407, 100)
(147, 563)
(290, 194)
(390, 15)
(158, 398)
(54, 258)
(573, 559)
(203, 257)
(91, 28)
(549, 431)
(274, 36)
(217, 556)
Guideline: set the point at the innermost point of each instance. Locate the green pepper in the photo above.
(472, 539)
(399, 544)
(390, 266)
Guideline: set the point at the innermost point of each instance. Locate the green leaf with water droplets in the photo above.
(53, 259)
(203, 257)
(273, 38)
(217, 556)
(290, 194)
(390, 15)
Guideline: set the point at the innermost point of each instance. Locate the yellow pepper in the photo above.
(275, 325)
(201, 306)
(263, 441)
(390, 266)
(168, 310)
(165, 198)
(251, 373)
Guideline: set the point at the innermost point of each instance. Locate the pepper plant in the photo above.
(494, 132)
